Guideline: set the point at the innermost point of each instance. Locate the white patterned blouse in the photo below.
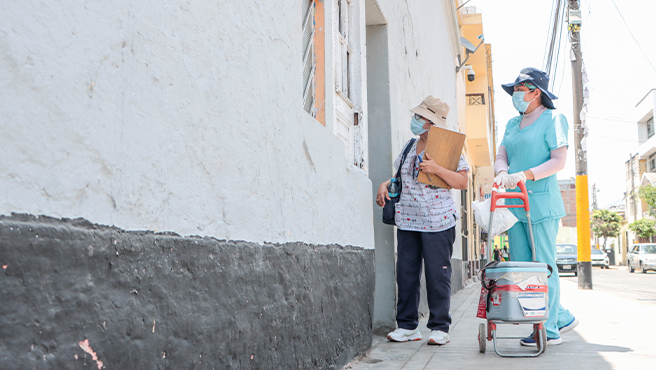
(423, 207)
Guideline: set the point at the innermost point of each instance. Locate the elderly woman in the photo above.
(533, 150)
(426, 218)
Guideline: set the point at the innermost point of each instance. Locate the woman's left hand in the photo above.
(457, 180)
(429, 166)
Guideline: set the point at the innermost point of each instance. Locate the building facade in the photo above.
(179, 175)
(477, 109)
(639, 170)
(567, 229)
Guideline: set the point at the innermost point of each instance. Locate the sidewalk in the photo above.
(614, 333)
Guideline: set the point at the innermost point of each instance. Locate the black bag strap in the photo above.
(405, 154)
(488, 286)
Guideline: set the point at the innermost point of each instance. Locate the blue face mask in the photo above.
(417, 126)
(518, 101)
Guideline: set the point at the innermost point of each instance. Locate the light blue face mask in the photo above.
(417, 126)
(518, 101)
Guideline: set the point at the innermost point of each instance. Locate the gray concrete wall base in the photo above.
(78, 295)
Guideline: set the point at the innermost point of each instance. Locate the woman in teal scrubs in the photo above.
(533, 149)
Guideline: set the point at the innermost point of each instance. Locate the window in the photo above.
(345, 42)
(349, 122)
(308, 57)
(650, 127)
(652, 163)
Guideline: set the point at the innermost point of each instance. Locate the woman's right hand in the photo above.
(383, 194)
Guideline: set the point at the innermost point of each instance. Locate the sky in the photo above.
(620, 74)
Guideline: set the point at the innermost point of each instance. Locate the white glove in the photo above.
(513, 179)
(501, 179)
(507, 181)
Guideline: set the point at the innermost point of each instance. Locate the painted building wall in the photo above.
(568, 193)
(421, 63)
(179, 118)
(188, 118)
(185, 117)
(411, 49)
(635, 168)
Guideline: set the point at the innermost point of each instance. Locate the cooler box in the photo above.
(520, 292)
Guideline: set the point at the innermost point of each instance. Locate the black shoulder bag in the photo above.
(388, 210)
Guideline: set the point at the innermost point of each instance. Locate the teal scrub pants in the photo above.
(545, 233)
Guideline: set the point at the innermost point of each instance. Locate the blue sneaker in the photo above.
(571, 325)
(530, 342)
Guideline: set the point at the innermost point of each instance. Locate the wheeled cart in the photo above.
(514, 293)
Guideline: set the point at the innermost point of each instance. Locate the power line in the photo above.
(634, 39)
(554, 33)
(606, 118)
(612, 119)
(546, 48)
(612, 138)
(560, 37)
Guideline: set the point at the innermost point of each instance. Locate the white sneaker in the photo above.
(438, 337)
(404, 335)
(572, 324)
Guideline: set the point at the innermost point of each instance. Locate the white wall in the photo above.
(421, 63)
(183, 117)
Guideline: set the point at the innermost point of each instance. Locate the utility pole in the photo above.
(594, 208)
(582, 200)
(633, 194)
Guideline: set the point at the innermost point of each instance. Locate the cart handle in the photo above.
(523, 195)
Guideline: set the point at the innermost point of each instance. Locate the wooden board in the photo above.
(445, 147)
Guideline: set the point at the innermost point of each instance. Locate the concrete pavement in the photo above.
(614, 333)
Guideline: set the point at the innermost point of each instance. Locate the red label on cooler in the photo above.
(482, 304)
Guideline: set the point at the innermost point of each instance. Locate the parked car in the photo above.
(599, 258)
(643, 257)
(567, 258)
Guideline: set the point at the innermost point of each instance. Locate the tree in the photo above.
(643, 227)
(606, 224)
(648, 194)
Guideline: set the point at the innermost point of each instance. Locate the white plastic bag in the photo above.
(503, 218)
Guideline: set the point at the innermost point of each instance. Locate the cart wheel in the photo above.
(482, 338)
(544, 338)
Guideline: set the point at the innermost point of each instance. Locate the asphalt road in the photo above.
(618, 281)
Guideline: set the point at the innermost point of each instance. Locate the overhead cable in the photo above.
(634, 39)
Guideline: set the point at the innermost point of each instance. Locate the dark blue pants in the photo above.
(436, 249)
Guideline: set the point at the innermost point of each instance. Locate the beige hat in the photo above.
(433, 109)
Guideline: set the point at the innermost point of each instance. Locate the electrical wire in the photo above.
(612, 138)
(553, 36)
(634, 39)
(546, 47)
(560, 36)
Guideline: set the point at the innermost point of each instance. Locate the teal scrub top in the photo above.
(530, 148)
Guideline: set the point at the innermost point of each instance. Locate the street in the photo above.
(619, 282)
(616, 331)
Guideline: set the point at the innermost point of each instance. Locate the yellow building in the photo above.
(476, 106)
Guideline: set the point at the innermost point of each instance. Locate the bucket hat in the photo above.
(537, 78)
(433, 109)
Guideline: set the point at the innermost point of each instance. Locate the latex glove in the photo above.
(513, 179)
(501, 179)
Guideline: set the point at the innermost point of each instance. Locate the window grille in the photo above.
(476, 99)
(650, 127)
(308, 56)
